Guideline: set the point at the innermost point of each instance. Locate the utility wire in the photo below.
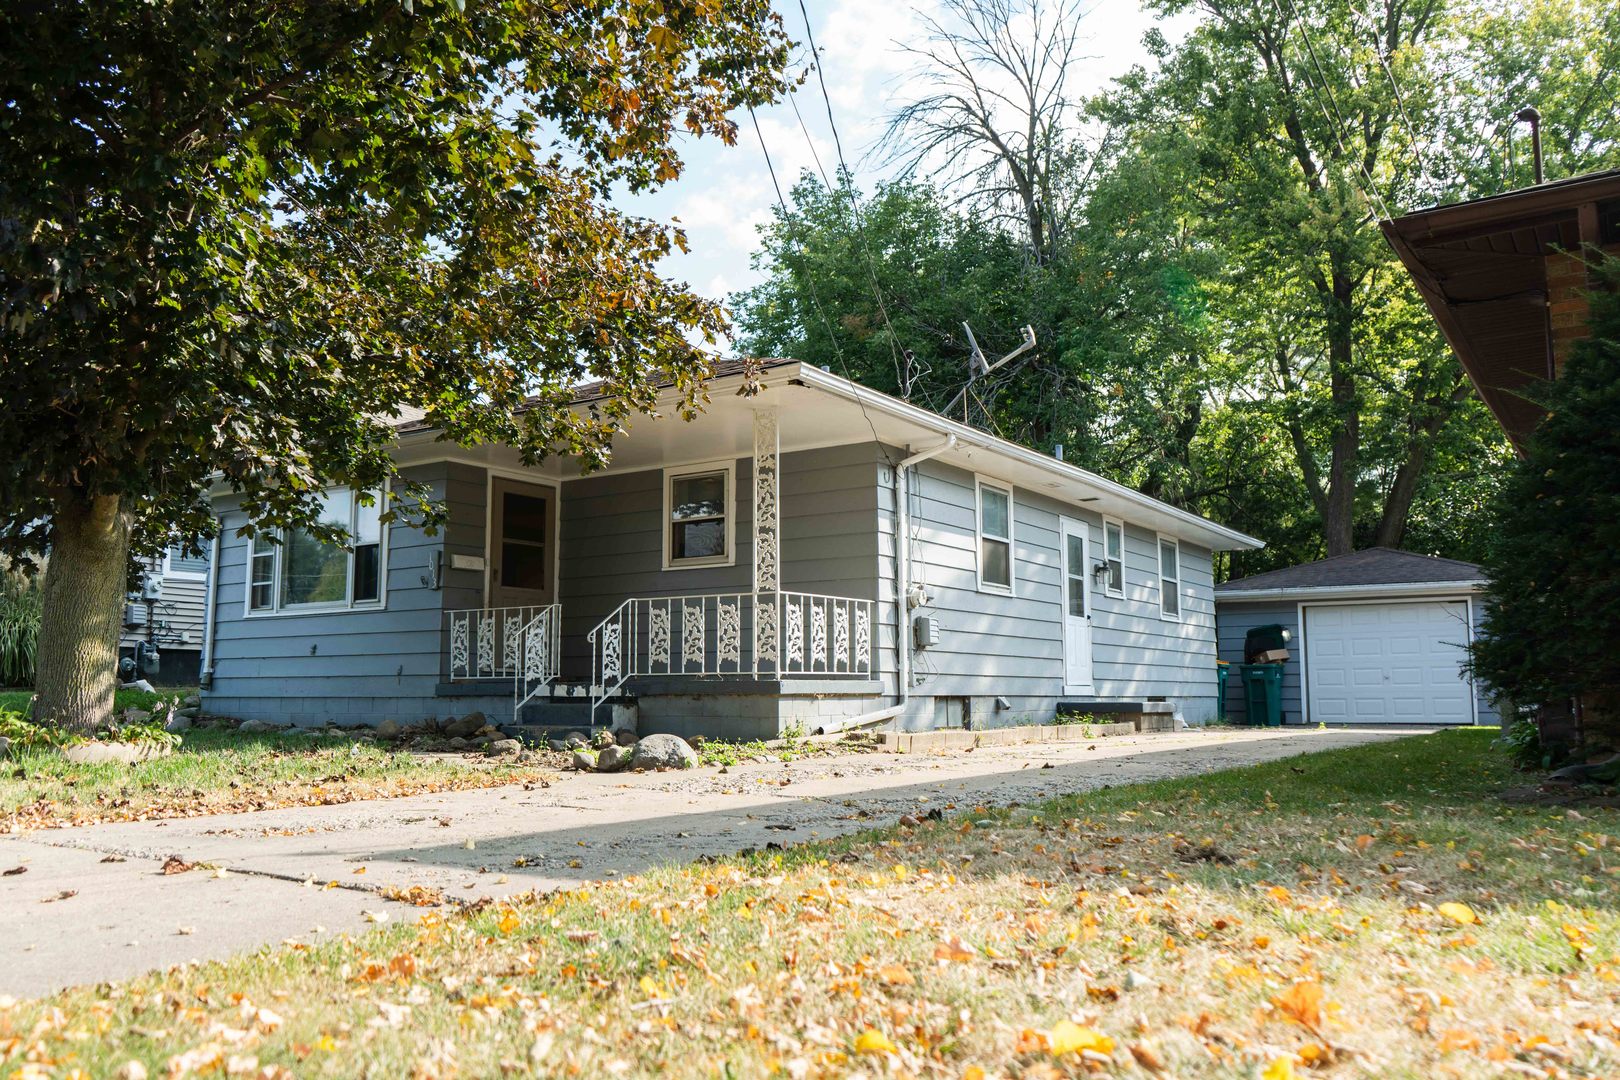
(810, 281)
(846, 176)
(1369, 192)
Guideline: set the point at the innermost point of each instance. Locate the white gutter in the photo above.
(206, 675)
(968, 436)
(1345, 592)
(902, 561)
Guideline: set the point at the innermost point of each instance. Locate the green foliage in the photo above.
(1553, 601)
(19, 627)
(1522, 741)
(27, 735)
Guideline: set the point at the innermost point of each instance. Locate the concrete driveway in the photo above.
(93, 903)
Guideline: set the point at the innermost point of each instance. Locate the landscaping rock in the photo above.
(5, 747)
(192, 711)
(193, 701)
(584, 761)
(100, 753)
(177, 724)
(662, 752)
(458, 743)
(503, 746)
(625, 738)
(611, 758)
(556, 745)
(258, 727)
(576, 740)
(389, 729)
(466, 727)
(601, 738)
(132, 715)
(1595, 772)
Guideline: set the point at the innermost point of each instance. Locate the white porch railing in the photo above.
(764, 635)
(541, 655)
(487, 643)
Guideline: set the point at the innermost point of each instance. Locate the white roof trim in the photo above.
(1191, 526)
(1348, 592)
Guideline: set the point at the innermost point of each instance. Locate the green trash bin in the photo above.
(1221, 674)
(1262, 694)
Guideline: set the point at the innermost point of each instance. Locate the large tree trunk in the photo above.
(1339, 513)
(85, 581)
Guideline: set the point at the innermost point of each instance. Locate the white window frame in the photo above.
(1158, 546)
(979, 486)
(1114, 523)
(727, 466)
(277, 611)
(169, 571)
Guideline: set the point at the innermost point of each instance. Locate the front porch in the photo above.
(749, 657)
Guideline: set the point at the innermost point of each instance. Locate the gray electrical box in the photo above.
(926, 631)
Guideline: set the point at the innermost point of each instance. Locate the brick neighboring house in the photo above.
(1506, 278)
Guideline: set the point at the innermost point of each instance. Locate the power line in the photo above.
(810, 282)
(1375, 202)
(846, 177)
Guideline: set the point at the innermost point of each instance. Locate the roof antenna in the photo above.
(1532, 116)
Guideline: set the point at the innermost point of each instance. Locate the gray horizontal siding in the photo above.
(992, 643)
(612, 539)
(1237, 618)
(332, 665)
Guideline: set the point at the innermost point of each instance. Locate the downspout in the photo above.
(205, 678)
(902, 564)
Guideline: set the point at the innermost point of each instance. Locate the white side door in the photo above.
(1076, 607)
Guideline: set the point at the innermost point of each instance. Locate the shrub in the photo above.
(1551, 631)
(19, 627)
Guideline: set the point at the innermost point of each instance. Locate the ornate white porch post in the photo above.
(767, 539)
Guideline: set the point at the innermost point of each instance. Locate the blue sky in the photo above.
(726, 193)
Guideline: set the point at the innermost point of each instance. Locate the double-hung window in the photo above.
(301, 573)
(995, 537)
(1169, 578)
(699, 528)
(1114, 557)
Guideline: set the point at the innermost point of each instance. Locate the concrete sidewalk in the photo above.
(93, 903)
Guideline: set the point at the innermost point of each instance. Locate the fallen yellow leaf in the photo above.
(1459, 913)
(896, 975)
(872, 1041)
(1280, 1069)
(1303, 1004)
(1067, 1037)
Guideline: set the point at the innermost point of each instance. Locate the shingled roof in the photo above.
(1371, 567)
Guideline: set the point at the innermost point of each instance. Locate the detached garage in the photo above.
(1378, 637)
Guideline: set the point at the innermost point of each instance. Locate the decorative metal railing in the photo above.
(540, 652)
(487, 643)
(764, 635)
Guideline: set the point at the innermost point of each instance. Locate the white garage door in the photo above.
(1397, 663)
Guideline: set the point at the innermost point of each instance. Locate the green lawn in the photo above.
(1366, 912)
(217, 770)
(18, 701)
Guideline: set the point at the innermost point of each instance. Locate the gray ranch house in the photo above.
(806, 555)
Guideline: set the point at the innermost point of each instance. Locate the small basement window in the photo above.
(1169, 578)
(291, 570)
(995, 537)
(700, 528)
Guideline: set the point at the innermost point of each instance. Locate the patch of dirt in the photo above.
(1555, 794)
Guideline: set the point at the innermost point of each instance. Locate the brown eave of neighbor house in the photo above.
(1505, 278)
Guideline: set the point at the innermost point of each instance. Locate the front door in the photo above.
(523, 538)
(1076, 608)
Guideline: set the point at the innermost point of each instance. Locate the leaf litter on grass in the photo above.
(1068, 939)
